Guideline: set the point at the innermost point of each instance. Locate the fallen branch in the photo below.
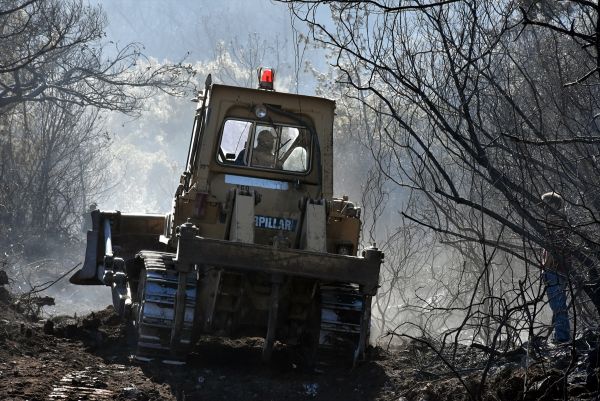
(46, 285)
(507, 354)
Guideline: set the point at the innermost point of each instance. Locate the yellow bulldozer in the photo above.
(255, 244)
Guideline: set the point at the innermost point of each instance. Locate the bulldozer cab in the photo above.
(274, 147)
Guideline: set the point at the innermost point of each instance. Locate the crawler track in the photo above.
(342, 314)
(154, 314)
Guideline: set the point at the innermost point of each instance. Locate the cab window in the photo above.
(265, 146)
(233, 141)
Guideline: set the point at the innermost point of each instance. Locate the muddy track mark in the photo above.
(88, 384)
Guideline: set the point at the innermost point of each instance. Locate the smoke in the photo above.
(35, 268)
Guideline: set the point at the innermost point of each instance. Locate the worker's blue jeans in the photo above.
(556, 289)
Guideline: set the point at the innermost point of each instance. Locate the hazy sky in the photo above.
(170, 29)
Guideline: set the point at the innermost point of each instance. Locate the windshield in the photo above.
(266, 146)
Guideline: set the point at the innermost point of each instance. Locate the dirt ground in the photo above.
(87, 358)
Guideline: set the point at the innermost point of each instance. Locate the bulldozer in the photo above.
(255, 244)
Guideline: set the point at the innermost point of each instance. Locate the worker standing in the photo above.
(556, 263)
